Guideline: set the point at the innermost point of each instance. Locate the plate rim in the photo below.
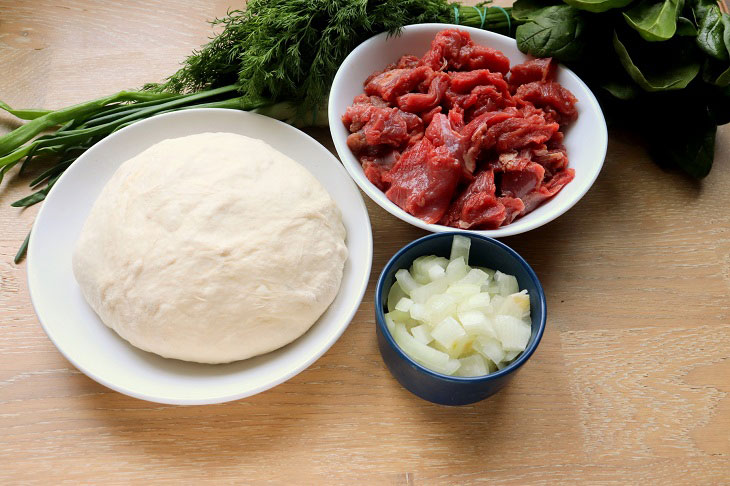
(362, 283)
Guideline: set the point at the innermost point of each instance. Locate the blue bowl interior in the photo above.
(485, 252)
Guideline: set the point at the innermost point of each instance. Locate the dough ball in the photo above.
(211, 248)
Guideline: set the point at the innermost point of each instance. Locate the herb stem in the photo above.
(22, 134)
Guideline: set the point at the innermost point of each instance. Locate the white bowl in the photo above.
(107, 358)
(585, 140)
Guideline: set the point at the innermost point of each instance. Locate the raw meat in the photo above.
(458, 138)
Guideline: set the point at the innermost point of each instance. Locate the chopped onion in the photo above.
(460, 248)
(395, 295)
(404, 304)
(456, 319)
(472, 365)
(447, 332)
(406, 281)
(422, 333)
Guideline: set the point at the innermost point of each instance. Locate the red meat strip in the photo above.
(427, 117)
(514, 133)
(454, 49)
(533, 70)
(504, 131)
(518, 183)
(475, 134)
(513, 207)
(423, 180)
(477, 206)
(420, 102)
(376, 168)
(549, 96)
(484, 99)
(514, 159)
(391, 84)
(547, 190)
(483, 57)
(456, 117)
(464, 82)
(408, 62)
(553, 160)
(440, 133)
(405, 62)
(373, 125)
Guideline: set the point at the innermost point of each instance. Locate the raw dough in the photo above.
(211, 248)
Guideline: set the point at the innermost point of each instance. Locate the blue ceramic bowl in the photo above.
(436, 387)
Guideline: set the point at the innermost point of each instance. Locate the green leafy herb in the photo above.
(598, 5)
(719, 109)
(289, 50)
(711, 33)
(655, 21)
(659, 68)
(553, 31)
(685, 27)
(625, 90)
(21, 251)
(696, 153)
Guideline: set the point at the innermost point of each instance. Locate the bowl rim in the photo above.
(378, 196)
(513, 366)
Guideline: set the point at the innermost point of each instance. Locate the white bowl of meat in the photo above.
(451, 127)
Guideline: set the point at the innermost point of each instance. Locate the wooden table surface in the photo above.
(630, 383)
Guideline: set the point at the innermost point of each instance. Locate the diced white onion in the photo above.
(507, 283)
(489, 348)
(456, 270)
(406, 281)
(440, 306)
(422, 333)
(404, 304)
(472, 365)
(460, 248)
(419, 312)
(478, 302)
(456, 319)
(436, 272)
(394, 295)
(476, 277)
(424, 292)
(516, 305)
(447, 332)
(513, 333)
(475, 323)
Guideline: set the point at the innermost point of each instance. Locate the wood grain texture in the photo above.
(630, 383)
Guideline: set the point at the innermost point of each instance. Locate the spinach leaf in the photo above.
(686, 141)
(685, 27)
(555, 31)
(654, 21)
(597, 5)
(711, 33)
(621, 89)
(524, 10)
(716, 72)
(669, 65)
(720, 105)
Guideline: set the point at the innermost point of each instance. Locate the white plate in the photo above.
(107, 358)
(586, 139)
